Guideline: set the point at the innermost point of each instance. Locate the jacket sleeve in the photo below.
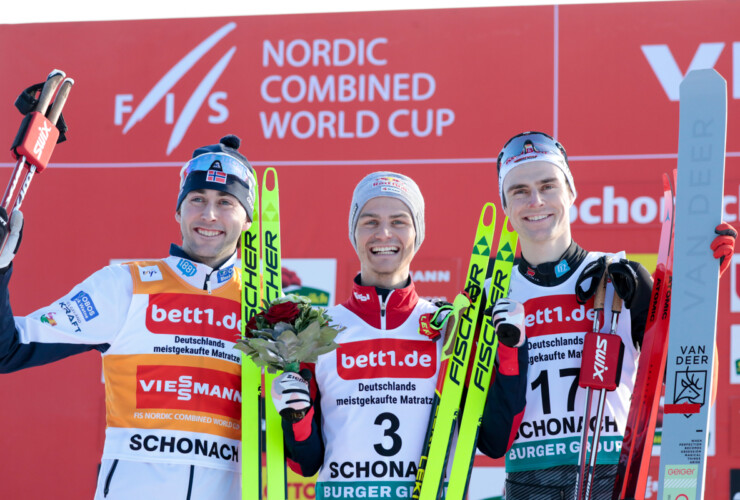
(641, 302)
(304, 443)
(505, 402)
(88, 317)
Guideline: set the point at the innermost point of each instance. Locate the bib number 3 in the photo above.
(390, 432)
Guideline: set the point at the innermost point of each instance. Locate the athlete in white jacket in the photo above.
(368, 402)
(166, 331)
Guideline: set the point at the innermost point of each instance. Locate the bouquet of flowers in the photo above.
(287, 332)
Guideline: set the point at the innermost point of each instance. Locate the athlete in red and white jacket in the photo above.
(166, 331)
(368, 403)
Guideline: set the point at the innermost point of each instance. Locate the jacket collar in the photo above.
(557, 272)
(368, 303)
(198, 274)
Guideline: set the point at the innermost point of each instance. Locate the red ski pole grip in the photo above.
(601, 361)
(37, 140)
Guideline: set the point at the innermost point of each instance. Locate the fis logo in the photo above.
(150, 273)
(162, 90)
(362, 297)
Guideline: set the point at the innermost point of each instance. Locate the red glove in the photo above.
(724, 245)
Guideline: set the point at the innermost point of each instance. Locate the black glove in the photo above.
(624, 280)
(594, 271)
(13, 231)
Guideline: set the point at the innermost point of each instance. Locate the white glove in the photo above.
(508, 320)
(14, 232)
(291, 396)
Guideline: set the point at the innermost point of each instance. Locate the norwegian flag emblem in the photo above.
(216, 176)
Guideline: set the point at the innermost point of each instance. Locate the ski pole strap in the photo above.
(593, 272)
(624, 280)
(27, 101)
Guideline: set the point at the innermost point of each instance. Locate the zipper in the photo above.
(207, 283)
(382, 310)
(110, 477)
(190, 482)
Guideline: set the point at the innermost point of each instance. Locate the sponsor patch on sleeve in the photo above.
(86, 305)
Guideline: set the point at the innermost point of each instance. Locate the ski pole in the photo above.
(616, 309)
(36, 138)
(598, 306)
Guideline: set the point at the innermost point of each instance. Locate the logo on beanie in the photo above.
(216, 176)
(216, 165)
(393, 184)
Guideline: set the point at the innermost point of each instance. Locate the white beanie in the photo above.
(392, 185)
(526, 148)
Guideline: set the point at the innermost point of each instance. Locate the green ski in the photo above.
(485, 355)
(251, 373)
(453, 369)
(272, 289)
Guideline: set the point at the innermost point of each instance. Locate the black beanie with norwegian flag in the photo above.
(214, 175)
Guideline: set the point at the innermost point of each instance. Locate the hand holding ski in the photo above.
(508, 320)
(453, 368)
(512, 314)
(723, 245)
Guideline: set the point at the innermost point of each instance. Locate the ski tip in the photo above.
(488, 208)
(56, 72)
(270, 174)
(704, 78)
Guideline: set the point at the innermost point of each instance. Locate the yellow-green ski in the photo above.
(273, 288)
(251, 373)
(453, 369)
(483, 366)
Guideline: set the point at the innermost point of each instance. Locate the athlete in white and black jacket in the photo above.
(163, 328)
(537, 190)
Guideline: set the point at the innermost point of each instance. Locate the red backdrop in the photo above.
(435, 93)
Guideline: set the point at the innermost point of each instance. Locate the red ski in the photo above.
(637, 445)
